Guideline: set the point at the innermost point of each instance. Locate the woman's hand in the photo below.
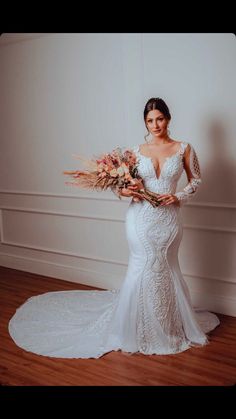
(137, 185)
(126, 192)
(136, 188)
(168, 199)
(133, 190)
(129, 192)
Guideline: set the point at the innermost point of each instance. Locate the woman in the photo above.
(152, 313)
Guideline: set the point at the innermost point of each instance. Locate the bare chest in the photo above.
(159, 154)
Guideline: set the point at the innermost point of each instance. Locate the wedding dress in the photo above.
(152, 313)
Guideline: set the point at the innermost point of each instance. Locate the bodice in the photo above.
(170, 172)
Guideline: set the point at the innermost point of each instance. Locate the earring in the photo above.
(168, 131)
(145, 137)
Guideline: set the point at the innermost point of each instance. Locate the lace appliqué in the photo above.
(159, 327)
(194, 182)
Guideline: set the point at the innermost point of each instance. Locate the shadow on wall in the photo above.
(210, 254)
(219, 181)
(221, 170)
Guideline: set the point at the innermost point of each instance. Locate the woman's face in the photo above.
(156, 123)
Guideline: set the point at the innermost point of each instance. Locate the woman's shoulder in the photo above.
(182, 147)
(187, 145)
(187, 148)
(182, 142)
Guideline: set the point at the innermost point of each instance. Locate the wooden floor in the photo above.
(211, 365)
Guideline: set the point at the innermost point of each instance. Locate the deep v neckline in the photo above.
(178, 152)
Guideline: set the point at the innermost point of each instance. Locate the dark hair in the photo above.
(159, 104)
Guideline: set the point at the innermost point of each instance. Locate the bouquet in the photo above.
(115, 170)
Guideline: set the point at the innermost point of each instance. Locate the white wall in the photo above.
(64, 94)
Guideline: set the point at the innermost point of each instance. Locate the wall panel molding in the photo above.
(54, 195)
(61, 213)
(113, 219)
(102, 198)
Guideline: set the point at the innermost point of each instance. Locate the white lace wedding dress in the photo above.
(152, 312)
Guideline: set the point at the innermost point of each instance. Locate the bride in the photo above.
(152, 313)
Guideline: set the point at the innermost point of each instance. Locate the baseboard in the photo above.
(62, 271)
(213, 302)
(216, 303)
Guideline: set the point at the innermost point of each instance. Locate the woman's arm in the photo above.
(192, 169)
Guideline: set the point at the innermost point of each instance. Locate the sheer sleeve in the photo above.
(192, 168)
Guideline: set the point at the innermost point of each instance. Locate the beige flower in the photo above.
(120, 171)
(126, 170)
(113, 173)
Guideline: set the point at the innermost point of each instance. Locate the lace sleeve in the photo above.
(192, 168)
